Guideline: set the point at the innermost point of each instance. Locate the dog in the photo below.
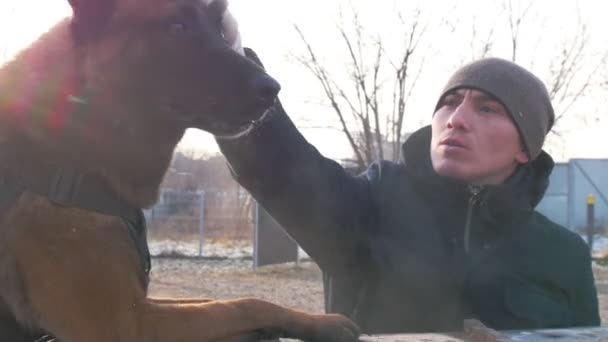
(90, 114)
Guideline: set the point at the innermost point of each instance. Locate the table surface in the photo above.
(578, 334)
(556, 335)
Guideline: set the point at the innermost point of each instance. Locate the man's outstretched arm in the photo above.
(326, 210)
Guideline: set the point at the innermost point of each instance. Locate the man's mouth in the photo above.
(453, 142)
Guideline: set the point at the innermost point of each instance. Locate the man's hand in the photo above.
(253, 56)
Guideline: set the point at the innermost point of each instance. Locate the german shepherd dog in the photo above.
(90, 114)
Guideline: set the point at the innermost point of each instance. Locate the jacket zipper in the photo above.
(475, 190)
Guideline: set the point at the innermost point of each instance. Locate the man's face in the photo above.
(474, 139)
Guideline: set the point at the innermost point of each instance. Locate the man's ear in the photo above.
(522, 157)
(90, 18)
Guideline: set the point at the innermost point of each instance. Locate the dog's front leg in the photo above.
(239, 319)
(81, 281)
(179, 300)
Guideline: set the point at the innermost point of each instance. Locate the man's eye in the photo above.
(450, 102)
(487, 109)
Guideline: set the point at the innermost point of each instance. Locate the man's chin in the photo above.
(452, 170)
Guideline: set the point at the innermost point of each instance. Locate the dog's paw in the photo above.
(335, 328)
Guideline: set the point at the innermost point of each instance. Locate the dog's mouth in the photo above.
(224, 126)
(227, 131)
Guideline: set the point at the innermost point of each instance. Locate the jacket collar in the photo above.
(516, 198)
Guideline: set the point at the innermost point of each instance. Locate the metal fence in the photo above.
(220, 224)
(195, 223)
(571, 184)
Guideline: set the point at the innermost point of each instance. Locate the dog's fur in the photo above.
(113, 89)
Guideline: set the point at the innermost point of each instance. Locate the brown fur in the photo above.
(115, 94)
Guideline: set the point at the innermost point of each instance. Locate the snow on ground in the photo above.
(600, 243)
(243, 249)
(228, 249)
(237, 249)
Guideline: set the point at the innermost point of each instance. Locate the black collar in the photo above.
(70, 186)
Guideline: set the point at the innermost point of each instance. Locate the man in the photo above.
(446, 234)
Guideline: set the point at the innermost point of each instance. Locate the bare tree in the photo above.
(372, 102)
(573, 69)
(405, 81)
(574, 72)
(567, 62)
(313, 64)
(517, 13)
(486, 41)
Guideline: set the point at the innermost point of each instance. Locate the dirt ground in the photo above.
(295, 286)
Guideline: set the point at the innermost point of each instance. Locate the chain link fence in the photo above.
(201, 224)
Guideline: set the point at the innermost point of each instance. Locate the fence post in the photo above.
(590, 220)
(201, 222)
(256, 226)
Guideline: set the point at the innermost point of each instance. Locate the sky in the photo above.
(267, 26)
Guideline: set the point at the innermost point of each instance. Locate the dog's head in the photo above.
(178, 62)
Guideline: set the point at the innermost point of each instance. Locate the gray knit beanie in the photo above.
(523, 95)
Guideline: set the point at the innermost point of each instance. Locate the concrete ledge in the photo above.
(556, 335)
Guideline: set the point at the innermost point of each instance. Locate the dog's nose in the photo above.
(264, 90)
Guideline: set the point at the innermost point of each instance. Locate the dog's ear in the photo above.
(218, 7)
(90, 18)
(230, 28)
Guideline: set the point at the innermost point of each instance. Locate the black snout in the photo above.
(264, 90)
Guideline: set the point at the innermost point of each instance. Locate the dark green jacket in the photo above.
(391, 241)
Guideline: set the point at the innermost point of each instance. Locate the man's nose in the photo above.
(460, 117)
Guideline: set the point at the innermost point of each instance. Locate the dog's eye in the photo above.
(185, 19)
(178, 28)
